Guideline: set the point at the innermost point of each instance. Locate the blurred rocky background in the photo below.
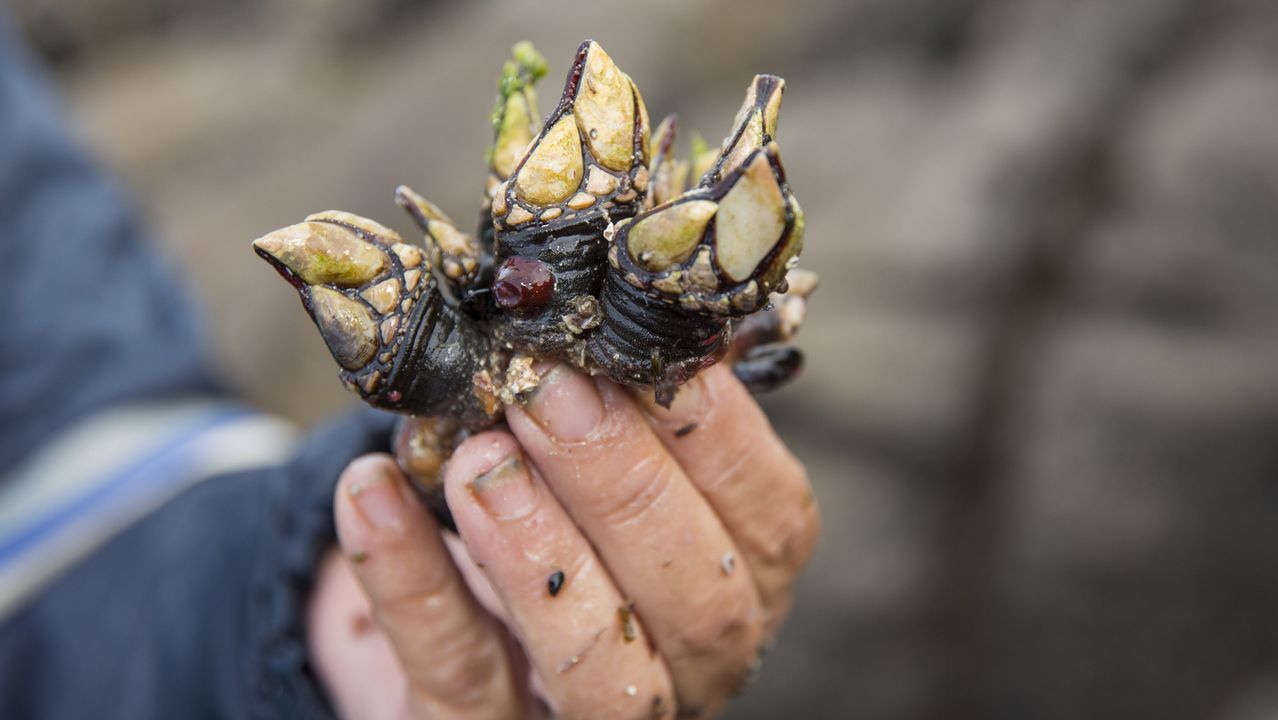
(1041, 405)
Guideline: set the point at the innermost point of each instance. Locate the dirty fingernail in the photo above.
(566, 405)
(378, 499)
(506, 491)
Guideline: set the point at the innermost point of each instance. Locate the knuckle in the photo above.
(463, 677)
(724, 626)
(731, 458)
(806, 531)
(726, 651)
(419, 593)
(637, 491)
(788, 542)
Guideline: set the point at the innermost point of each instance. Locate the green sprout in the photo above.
(517, 75)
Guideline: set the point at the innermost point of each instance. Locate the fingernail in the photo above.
(378, 499)
(566, 405)
(506, 491)
(686, 410)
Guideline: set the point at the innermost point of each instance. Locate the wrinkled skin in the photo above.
(673, 553)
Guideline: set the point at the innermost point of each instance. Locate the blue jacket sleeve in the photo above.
(89, 314)
(198, 610)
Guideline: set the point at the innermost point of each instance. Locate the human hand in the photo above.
(679, 534)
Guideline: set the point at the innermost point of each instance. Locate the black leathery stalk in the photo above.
(648, 342)
(574, 252)
(442, 351)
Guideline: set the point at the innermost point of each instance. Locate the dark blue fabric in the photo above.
(89, 315)
(196, 611)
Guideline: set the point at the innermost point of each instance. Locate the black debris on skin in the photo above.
(555, 583)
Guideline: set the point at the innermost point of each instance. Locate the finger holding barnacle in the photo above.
(680, 271)
(376, 304)
(456, 254)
